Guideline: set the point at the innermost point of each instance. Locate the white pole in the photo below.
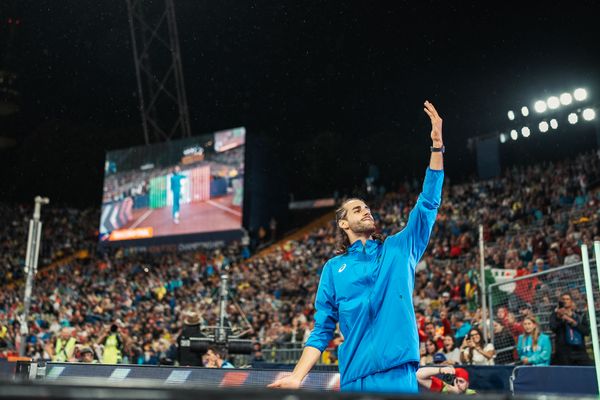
(591, 308)
(31, 264)
(482, 284)
(597, 259)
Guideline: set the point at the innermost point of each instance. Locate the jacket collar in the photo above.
(358, 246)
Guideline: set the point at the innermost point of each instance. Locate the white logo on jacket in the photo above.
(343, 267)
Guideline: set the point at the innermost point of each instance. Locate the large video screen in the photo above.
(188, 186)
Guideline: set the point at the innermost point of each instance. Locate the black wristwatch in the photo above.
(438, 149)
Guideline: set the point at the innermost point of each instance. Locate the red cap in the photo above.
(461, 373)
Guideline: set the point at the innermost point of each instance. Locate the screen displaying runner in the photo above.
(187, 186)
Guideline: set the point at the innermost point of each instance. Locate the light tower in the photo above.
(157, 59)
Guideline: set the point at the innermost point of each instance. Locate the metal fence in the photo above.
(538, 294)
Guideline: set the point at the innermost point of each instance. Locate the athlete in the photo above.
(176, 189)
(368, 290)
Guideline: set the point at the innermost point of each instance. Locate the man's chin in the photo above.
(365, 229)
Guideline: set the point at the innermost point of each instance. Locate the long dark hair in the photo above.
(342, 242)
(535, 335)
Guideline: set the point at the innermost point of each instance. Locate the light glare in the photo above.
(572, 118)
(525, 131)
(511, 115)
(589, 114)
(580, 94)
(502, 138)
(553, 102)
(566, 99)
(543, 126)
(514, 135)
(540, 106)
(553, 123)
(525, 111)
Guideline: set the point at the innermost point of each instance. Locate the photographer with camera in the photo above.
(451, 380)
(570, 326)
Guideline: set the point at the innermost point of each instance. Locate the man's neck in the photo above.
(363, 237)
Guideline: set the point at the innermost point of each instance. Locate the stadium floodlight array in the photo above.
(588, 114)
(569, 102)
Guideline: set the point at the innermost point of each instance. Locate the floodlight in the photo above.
(566, 99)
(553, 102)
(588, 114)
(540, 106)
(580, 94)
(572, 118)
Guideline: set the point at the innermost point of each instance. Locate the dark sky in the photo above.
(331, 86)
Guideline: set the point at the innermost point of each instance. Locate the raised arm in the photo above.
(424, 374)
(437, 157)
(423, 215)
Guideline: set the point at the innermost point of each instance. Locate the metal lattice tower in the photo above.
(161, 90)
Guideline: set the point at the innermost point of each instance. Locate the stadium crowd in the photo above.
(129, 306)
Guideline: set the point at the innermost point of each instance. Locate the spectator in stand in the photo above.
(87, 355)
(63, 347)
(428, 350)
(257, 355)
(571, 257)
(217, 358)
(112, 342)
(450, 351)
(539, 265)
(504, 343)
(475, 351)
(534, 347)
(434, 335)
(570, 326)
(461, 327)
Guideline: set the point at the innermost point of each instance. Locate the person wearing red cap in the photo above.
(426, 376)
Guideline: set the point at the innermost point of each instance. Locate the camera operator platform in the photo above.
(195, 340)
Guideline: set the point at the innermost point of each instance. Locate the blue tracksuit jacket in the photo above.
(369, 291)
(539, 356)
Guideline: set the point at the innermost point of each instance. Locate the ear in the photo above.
(343, 224)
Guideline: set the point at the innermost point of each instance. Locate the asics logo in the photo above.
(343, 267)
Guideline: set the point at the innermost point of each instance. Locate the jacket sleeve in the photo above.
(583, 324)
(543, 353)
(520, 347)
(555, 323)
(327, 314)
(423, 215)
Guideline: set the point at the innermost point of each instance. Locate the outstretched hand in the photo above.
(436, 124)
(288, 382)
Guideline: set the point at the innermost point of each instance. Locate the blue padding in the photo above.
(556, 380)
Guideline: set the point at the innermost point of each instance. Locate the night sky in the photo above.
(331, 87)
